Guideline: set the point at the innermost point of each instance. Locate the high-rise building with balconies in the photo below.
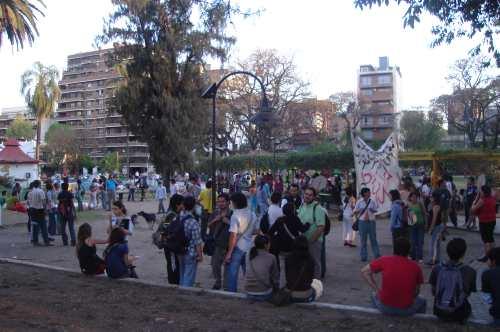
(378, 99)
(87, 85)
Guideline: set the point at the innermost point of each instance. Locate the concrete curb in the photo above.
(198, 290)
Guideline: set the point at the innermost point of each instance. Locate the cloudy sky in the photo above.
(327, 39)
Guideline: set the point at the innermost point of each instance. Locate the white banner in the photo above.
(377, 170)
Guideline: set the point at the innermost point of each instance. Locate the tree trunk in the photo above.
(38, 138)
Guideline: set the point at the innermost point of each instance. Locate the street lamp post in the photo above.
(264, 116)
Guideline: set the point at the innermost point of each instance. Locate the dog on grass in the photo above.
(149, 217)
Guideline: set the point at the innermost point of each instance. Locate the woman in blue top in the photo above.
(397, 228)
(119, 264)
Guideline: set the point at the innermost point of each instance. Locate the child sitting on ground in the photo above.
(452, 283)
(490, 281)
(90, 263)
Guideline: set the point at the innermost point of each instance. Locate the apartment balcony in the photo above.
(90, 78)
(124, 144)
(372, 125)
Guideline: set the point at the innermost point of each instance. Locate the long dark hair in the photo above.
(117, 235)
(84, 232)
(121, 206)
(300, 248)
(260, 242)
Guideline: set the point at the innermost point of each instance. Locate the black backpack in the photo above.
(328, 225)
(175, 238)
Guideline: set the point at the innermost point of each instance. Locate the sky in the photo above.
(328, 40)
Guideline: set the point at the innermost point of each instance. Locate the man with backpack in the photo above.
(452, 283)
(193, 253)
(399, 216)
(316, 216)
(490, 285)
(401, 280)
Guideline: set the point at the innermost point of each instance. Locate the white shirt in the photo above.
(369, 214)
(115, 222)
(161, 192)
(173, 189)
(244, 224)
(274, 212)
(426, 190)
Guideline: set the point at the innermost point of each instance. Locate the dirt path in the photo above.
(37, 299)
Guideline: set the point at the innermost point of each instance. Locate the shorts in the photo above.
(486, 230)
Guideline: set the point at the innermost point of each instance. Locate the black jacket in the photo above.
(281, 241)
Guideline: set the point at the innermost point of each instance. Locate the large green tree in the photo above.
(421, 131)
(163, 46)
(62, 147)
(20, 128)
(40, 89)
(458, 18)
(18, 20)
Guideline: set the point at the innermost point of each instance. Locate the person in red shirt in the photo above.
(401, 280)
(485, 209)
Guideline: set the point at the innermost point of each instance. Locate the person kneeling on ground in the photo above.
(263, 275)
(401, 280)
(299, 272)
(490, 281)
(119, 264)
(90, 263)
(452, 283)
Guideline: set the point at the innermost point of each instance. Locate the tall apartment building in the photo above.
(9, 114)
(378, 99)
(87, 85)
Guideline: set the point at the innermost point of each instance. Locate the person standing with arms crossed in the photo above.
(365, 213)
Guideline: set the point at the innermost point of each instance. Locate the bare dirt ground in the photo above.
(37, 299)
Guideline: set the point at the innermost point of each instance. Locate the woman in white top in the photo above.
(119, 219)
(348, 233)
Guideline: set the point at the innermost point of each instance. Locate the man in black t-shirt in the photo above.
(292, 197)
(490, 281)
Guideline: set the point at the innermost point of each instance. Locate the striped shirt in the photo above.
(36, 199)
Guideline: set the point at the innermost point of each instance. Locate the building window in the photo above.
(367, 134)
(366, 81)
(384, 79)
(367, 92)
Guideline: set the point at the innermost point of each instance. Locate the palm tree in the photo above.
(18, 20)
(40, 89)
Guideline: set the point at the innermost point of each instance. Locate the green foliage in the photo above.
(18, 20)
(110, 163)
(61, 145)
(86, 162)
(20, 128)
(333, 159)
(421, 131)
(162, 46)
(457, 19)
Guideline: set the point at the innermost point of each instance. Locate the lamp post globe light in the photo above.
(262, 118)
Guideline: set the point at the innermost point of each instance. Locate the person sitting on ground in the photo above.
(283, 233)
(262, 276)
(119, 218)
(299, 272)
(452, 283)
(490, 281)
(401, 280)
(90, 263)
(119, 264)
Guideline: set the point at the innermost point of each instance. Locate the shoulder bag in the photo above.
(355, 224)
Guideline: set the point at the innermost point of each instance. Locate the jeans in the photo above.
(260, 297)
(53, 229)
(217, 265)
(40, 225)
(102, 194)
(161, 207)
(417, 233)
(368, 229)
(80, 202)
(418, 307)
(315, 249)
(309, 299)
(173, 267)
(435, 244)
(70, 222)
(188, 265)
(131, 195)
(111, 198)
(233, 269)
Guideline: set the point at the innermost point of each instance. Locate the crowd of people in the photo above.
(276, 237)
